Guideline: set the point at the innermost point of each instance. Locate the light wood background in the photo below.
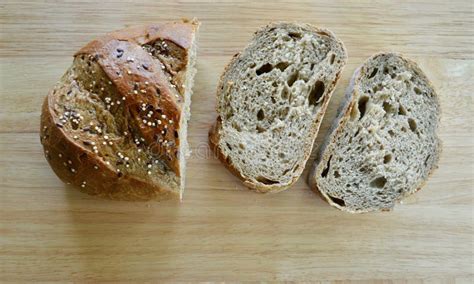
(221, 231)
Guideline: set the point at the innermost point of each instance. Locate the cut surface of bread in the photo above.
(384, 144)
(270, 102)
(115, 124)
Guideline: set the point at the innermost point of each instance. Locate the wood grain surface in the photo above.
(221, 231)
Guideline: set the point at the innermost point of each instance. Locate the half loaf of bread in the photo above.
(385, 143)
(115, 124)
(270, 102)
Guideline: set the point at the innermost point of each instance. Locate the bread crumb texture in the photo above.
(271, 99)
(387, 144)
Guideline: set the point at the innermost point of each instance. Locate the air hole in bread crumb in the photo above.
(338, 201)
(292, 78)
(387, 107)
(260, 114)
(260, 129)
(282, 66)
(378, 182)
(401, 110)
(385, 70)
(363, 169)
(362, 106)
(236, 126)
(336, 174)
(281, 155)
(284, 112)
(316, 93)
(265, 180)
(296, 167)
(376, 88)
(265, 68)
(326, 170)
(417, 90)
(294, 35)
(387, 158)
(391, 133)
(331, 60)
(284, 93)
(412, 124)
(373, 73)
(229, 114)
(426, 160)
(228, 146)
(357, 132)
(241, 146)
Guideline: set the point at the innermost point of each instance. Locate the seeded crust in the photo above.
(115, 125)
(390, 117)
(307, 73)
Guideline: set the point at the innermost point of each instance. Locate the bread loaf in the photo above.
(115, 123)
(270, 102)
(385, 142)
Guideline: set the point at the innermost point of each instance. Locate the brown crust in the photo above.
(180, 33)
(82, 164)
(214, 135)
(113, 53)
(344, 113)
(74, 164)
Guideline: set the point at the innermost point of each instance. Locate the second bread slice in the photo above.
(270, 102)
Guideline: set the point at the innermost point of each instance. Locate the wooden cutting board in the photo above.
(221, 231)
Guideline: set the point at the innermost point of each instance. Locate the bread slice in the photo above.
(115, 124)
(384, 144)
(270, 102)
